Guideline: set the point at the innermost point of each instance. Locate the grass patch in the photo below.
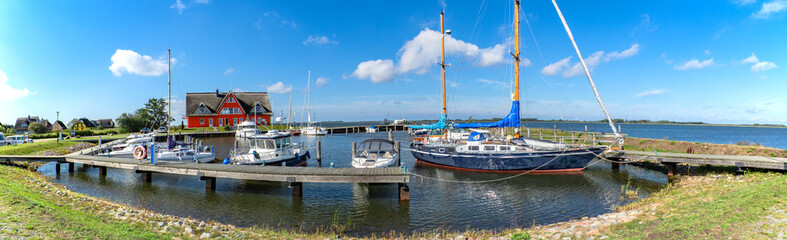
(36, 147)
(709, 207)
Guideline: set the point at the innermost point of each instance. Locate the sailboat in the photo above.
(441, 124)
(484, 152)
(311, 129)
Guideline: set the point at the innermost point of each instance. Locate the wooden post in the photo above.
(539, 134)
(404, 192)
(102, 171)
(672, 168)
(398, 147)
(353, 151)
(147, 176)
(615, 166)
(390, 135)
(71, 167)
(572, 138)
(555, 132)
(210, 183)
(57, 168)
(319, 153)
(297, 189)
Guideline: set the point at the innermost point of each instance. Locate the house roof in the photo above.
(59, 123)
(106, 122)
(28, 120)
(87, 122)
(213, 100)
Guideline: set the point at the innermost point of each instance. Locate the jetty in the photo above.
(671, 160)
(294, 176)
(360, 129)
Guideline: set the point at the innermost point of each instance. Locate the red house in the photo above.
(227, 109)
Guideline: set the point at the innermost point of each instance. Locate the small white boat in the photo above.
(375, 153)
(314, 130)
(371, 129)
(246, 129)
(271, 148)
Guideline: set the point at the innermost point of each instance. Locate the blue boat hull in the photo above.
(540, 161)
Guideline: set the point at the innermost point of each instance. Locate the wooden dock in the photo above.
(670, 160)
(361, 129)
(208, 172)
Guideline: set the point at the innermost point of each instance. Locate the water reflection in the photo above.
(372, 208)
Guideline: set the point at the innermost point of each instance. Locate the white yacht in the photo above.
(271, 148)
(375, 153)
(246, 129)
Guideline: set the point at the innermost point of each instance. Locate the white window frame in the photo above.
(210, 122)
(201, 121)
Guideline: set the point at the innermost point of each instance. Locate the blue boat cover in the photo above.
(438, 125)
(511, 120)
(476, 136)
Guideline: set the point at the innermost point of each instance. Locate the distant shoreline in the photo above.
(558, 121)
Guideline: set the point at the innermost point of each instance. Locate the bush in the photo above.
(38, 127)
(227, 128)
(84, 133)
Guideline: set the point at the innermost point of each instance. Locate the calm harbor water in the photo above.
(373, 209)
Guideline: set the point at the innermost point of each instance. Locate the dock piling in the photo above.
(71, 167)
(404, 192)
(210, 183)
(147, 176)
(398, 156)
(390, 135)
(353, 151)
(319, 153)
(57, 168)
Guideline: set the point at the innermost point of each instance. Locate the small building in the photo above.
(227, 109)
(58, 126)
(105, 123)
(83, 124)
(23, 123)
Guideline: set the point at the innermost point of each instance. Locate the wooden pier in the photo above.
(294, 176)
(671, 160)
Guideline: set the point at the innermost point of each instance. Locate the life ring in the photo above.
(140, 153)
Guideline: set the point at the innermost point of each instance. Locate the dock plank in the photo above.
(775, 163)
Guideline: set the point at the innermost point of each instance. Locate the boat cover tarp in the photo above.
(438, 125)
(511, 120)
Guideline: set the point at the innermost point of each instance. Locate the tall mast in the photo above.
(289, 115)
(442, 63)
(309, 99)
(516, 56)
(169, 88)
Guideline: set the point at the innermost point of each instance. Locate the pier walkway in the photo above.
(209, 172)
(670, 160)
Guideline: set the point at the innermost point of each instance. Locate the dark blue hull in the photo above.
(288, 161)
(539, 161)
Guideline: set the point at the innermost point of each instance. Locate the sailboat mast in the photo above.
(516, 57)
(169, 87)
(309, 99)
(289, 115)
(442, 64)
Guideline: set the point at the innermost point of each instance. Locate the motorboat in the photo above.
(375, 153)
(273, 148)
(314, 130)
(371, 129)
(246, 129)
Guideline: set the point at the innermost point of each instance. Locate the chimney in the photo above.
(217, 93)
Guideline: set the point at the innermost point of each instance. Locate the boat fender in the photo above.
(140, 153)
(226, 161)
(308, 156)
(332, 166)
(297, 157)
(195, 158)
(256, 156)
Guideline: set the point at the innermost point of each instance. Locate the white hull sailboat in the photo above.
(310, 128)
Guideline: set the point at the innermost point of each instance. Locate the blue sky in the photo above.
(711, 61)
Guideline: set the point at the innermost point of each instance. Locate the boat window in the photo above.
(503, 148)
(473, 148)
(372, 155)
(489, 148)
(441, 150)
(269, 144)
(387, 155)
(362, 154)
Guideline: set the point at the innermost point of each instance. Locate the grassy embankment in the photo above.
(37, 147)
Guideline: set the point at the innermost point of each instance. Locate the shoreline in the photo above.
(616, 224)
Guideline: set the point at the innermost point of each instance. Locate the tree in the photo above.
(131, 122)
(2, 129)
(37, 128)
(154, 113)
(72, 122)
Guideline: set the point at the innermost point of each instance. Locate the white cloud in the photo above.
(318, 40)
(707, 51)
(694, 64)
(228, 71)
(744, 2)
(591, 62)
(751, 59)
(9, 93)
(493, 55)
(762, 66)
(652, 92)
(493, 82)
(321, 81)
(376, 70)
(758, 65)
(178, 5)
(279, 88)
(770, 8)
(753, 110)
(633, 50)
(555, 67)
(202, 1)
(133, 63)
